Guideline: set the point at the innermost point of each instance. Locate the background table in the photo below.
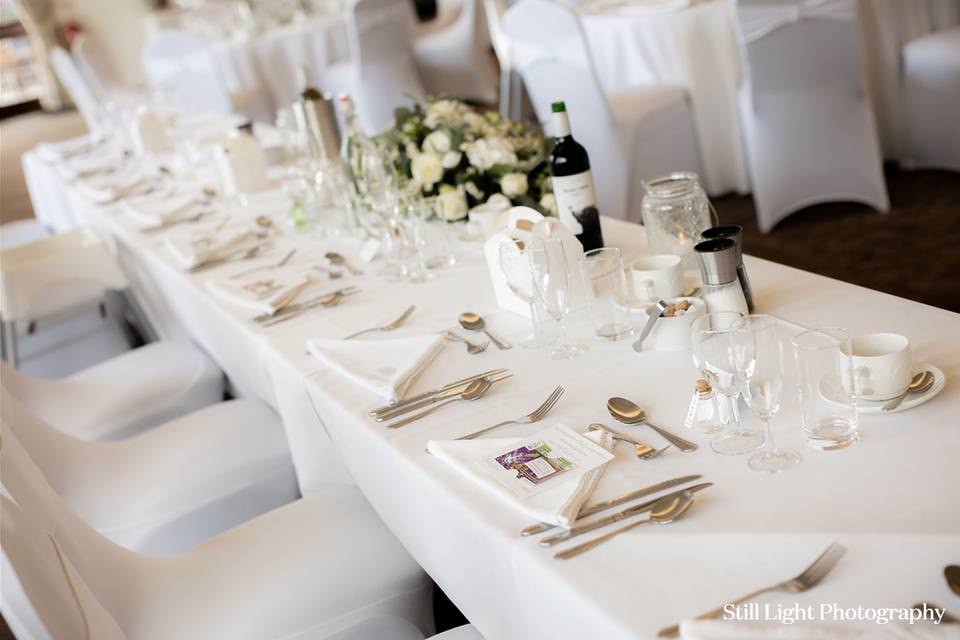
(891, 498)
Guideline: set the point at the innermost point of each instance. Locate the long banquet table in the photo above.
(891, 499)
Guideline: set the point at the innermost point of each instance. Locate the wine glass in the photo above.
(551, 280)
(759, 359)
(714, 354)
(516, 269)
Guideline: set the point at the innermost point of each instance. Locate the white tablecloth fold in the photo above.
(559, 505)
(386, 367)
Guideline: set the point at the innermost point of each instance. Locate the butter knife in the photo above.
(407, 403)
(643, 507)
(614, 502)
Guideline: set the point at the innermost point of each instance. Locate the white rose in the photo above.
(499, 202)
(426, 169)
(453, 204)
(514, 184)
(442, 111)
(549, 203)
(451, 159)
(487, 152)
(437, 142)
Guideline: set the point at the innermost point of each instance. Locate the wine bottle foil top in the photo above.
(718, 260)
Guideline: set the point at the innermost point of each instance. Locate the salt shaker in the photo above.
(704, 412)
(718, 269)
(735, 233)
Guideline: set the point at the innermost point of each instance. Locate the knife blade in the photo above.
(428, 394)
(550, 541)
(613, 502)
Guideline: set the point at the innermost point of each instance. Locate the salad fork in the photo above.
(810, 578)
(535, 416)
(471, 347)
(396, 324)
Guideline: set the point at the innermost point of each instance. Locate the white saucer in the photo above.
(829, 388)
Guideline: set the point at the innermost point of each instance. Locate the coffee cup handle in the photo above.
(646, 290)
(860, 375)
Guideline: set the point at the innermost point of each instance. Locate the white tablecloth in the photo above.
(891, 498)
(696, 47)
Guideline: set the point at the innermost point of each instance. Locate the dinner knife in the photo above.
(613, 502)
(429, 394)
(549, 541)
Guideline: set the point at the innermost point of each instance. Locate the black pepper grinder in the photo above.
(734, 232)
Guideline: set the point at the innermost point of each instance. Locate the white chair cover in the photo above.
(315, 568)
(134, 391)
(808, 128)
(54, 274)
(179, 59)
(931, 98)
(455, 61)
(762, 19)
(630, 137)
(13, 234)
(379, 36)
(511, 90)
(466, 632)
(170, 488)
(95, 66)
(80, 93)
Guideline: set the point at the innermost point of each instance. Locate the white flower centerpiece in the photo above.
(448, 150)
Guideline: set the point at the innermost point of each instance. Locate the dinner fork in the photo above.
(396, 324)
(535, 416)
(471, 347)
(810, 578)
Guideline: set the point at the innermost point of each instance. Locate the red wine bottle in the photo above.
(573, 183)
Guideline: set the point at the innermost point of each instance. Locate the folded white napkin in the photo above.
(775, 630)
(94, 161)
(264, 294)
(106, 188)
(386, 367)
(54, 152)
(190, 252)
(166, 207)
(558, 505)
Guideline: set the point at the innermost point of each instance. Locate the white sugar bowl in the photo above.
(672, 333)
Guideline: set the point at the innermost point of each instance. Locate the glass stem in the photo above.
(735, 408)
(768, 431)
(562, 323)
(534, 318)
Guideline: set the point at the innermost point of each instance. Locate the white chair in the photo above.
(173, 486)
(73, 81)
(931, 97)
(312, 569)
(381, 73)
(630, 137)
(53, 275)
(94, 64)
(455, 60)
(808, 127)
(125, 395)
(511, 90)
(13, 234)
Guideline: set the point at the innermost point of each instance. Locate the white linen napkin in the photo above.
(775, 630)
(104, 189)
(94, 161)
(264, 294)
(152, 211)
(54, 152)
(386, 367)
(558, 505)
(189, 252)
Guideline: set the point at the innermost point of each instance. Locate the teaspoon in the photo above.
(952, 574)
(472, 322)
(920, 383)
(628, 412)
(339, 261)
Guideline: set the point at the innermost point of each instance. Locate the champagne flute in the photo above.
(516, 269)
(758, 352)
(551, 279)
(714, 354)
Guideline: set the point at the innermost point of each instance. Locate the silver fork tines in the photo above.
(809, 578)
(535, 416)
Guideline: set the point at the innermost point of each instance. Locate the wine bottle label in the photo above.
(574, 195)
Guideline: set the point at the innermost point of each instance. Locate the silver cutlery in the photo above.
(283, 261)
(920, 383)
(945, 618)
(809, 578)
(643, 450)
(178, 221)
(664, 511)
(534, 416)
(427, 395)
(233, 256)
(629, 512)
(655, 314)
(326, 299)
(474, 390)
(473, 322)
(396, 324)
(285, 299)
(426, 402)
(471, 347)
(334, 275)
(628, 412)
(338, 260)
(588, 511)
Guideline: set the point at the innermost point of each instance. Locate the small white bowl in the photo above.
(673, 333)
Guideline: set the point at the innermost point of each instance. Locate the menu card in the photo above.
(537, 463)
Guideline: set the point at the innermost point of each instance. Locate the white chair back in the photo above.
(95, 66)
(179, 59)
(53, 274)
(379, 35)
(550, 51)
(75, 84)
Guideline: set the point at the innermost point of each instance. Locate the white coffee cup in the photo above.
(656, 277)
(881, 363)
